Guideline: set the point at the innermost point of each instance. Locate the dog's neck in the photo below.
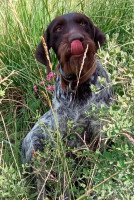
(71, 81)
(65, 76)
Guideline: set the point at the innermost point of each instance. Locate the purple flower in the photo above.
(50, 88)
(51, 76)
(35, 88)
(42, 83)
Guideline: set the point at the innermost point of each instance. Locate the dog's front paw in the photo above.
(30, 144)
(38, 142)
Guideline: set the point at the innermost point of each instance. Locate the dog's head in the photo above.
(69, 35)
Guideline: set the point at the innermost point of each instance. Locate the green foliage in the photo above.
(107, 174)
(12, 186)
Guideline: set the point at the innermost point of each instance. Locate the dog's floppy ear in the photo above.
(97, 34)
(40, 53)
(99, 37)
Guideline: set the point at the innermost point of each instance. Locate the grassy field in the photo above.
(109, 174)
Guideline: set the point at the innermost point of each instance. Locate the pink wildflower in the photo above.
(42, 83)
(35, 88)
(50, 88)
(51, 76)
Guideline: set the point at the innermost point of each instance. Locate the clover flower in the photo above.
(50, 88)
(35, 88)
(51, 76)
(42, 82)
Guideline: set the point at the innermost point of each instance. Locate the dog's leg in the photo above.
(35, 140)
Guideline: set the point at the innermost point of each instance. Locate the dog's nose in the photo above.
(77, 36)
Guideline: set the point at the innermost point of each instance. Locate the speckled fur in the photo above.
(59, 36)
(63, 111)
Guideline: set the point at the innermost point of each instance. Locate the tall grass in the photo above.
(21, 25)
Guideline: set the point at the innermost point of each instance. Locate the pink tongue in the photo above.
(76, 47)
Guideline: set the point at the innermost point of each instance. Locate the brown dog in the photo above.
(72, 36)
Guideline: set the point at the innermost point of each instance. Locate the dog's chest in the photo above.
(73, 116)
(78, 108)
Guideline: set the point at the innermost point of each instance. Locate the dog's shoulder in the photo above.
(100, 73)
(103, 85)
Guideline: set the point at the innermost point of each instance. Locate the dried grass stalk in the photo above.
(46, 51)
(84, 57)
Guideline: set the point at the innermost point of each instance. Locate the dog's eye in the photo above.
(82, 23)
(58, 28)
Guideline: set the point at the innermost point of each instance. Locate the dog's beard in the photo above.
(75, 64)
(72, 63)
